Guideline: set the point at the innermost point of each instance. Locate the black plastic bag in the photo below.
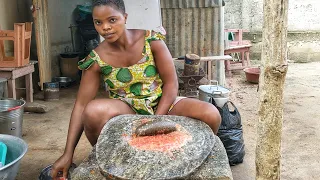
(231, 134)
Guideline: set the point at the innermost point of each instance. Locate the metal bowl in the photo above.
(16, 149)
(46, 172)
(63, 81)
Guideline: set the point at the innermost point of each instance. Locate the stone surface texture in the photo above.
(117, 158)
(205, 159)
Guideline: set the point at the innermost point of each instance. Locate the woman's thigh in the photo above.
(99, 111)
(194, 108)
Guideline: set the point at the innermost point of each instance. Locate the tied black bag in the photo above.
(230, 132)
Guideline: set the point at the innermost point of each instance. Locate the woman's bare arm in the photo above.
(165, 66)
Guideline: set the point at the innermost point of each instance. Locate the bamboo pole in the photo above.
(40, 14)
(274, 68)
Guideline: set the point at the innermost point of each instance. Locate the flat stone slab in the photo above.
(123, 155)
(215, 167)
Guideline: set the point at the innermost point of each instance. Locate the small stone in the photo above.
(35, 108)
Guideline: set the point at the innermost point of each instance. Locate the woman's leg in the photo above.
(197, 109)
(98, 112)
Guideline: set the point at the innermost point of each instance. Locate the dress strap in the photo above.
(154, 36)
(87, 62)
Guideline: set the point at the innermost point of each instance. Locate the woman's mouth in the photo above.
(109, 35)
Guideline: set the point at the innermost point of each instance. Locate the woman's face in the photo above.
(109, 22)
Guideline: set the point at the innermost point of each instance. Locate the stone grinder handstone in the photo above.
(187, 151)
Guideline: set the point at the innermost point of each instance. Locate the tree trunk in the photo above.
(273, 72)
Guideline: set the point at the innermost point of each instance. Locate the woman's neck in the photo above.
(123, 42)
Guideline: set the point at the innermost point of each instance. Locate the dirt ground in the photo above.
(46, 133)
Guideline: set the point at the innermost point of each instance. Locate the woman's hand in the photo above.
(61, 167)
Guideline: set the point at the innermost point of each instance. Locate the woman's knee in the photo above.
(96, 114)
(211, 113)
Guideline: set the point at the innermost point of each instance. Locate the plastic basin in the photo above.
(252, 74)
(16, 149)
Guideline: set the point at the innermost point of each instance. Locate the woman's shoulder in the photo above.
(158, 32)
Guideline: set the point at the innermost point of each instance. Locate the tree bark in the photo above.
(273, 72)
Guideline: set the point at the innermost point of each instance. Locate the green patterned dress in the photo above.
(138, 85)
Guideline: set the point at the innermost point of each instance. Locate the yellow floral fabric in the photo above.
(139, 85)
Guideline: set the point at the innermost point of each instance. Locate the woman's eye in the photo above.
(113, 20)
(98, 22)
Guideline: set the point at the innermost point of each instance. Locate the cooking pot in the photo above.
(213, 91)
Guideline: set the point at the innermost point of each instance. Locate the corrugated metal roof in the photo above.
(190, 3)
(189, 30)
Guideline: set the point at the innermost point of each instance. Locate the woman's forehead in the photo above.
(105, 11)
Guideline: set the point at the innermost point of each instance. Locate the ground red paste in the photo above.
(163, 142)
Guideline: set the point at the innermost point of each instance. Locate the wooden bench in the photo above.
(11, 74)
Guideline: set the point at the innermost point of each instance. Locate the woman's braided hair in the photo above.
(117, 4)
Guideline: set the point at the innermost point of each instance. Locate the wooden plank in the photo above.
(12, 89)
(209, 70)
(239, 47)
(235, 30)
(6, 33)
(7, 38)
(6, 74)
(22, 71)
(216, 58)
(210, 58)
(40, 15)
(29, 88)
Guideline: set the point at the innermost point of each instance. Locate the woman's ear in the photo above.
(125, 17)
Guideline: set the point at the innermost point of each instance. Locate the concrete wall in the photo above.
(12, 11)
(61, 16)
(303, 26)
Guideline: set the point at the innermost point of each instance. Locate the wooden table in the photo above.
(244, 50)
(11, 74)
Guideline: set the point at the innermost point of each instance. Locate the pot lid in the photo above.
(214, 89)
(122, 154)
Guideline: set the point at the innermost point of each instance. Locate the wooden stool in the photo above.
(21, 37)
(13, 73)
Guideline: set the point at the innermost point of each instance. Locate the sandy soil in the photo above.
(46, 133)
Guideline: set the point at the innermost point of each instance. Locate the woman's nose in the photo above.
(106, 27)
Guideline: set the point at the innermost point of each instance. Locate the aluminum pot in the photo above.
(212, 91)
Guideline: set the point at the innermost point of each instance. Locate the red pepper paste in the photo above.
(162, 142)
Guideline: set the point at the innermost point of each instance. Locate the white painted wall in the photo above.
(248, 14)
(304, 15)
(143, 14)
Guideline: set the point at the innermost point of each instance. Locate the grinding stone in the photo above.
(117, 158)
